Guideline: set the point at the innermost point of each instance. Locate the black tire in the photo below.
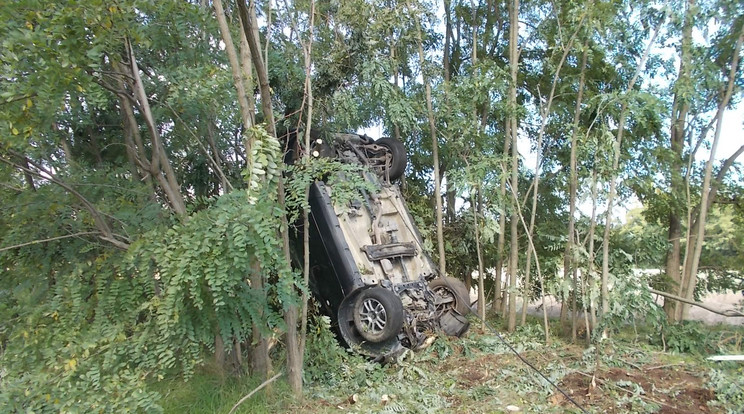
(378, 314)
(399, 157)
(451, 288)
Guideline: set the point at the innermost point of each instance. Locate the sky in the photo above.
(732, 134)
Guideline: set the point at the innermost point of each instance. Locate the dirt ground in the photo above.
(670, 387)
(479, 376)
(664, 387)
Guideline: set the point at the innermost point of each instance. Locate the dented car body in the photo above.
(369, 270)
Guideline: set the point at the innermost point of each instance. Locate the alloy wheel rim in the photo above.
(373, 316)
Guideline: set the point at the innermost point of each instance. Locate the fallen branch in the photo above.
(250, 394)
(727, 313)
(632, 393)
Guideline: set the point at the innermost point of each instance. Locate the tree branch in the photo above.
(213, 161)
(17, 246)
(105, 231)
(727, 313)
(265, 383)
(18, 98)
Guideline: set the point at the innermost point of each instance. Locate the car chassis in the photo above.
(369, 270)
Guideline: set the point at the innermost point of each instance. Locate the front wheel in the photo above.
(378, 314)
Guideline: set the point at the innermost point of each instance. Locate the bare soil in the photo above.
(670, 387)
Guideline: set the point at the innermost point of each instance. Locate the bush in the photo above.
(686, 337)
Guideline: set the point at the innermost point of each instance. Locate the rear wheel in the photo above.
(378, 314)
(453, 292)
(397, 165)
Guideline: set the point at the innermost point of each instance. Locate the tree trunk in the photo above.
(307, 49)
(260, 361)
(26, 175)
(133, 138)
(451, 199)
(590, 260)
(250, 28)
(434, 151)
(160, 166)
(217, 158)
(481, 269)
(514, 242)
(708, 190)
(246, 66)
(680, 107)
(497, 291)
(538, 162)
(573, 183)
(219, 352)
(613, 177)
(235, 67)
(447, 37)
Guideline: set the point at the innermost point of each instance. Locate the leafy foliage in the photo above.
(686, 337)
(121, 319)
(347, 181)
(631, 303)
(729, 388)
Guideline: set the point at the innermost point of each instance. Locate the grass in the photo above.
(208, 392)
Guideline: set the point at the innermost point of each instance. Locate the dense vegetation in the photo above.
(147, 211)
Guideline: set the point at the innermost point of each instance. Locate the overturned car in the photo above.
(369, 270)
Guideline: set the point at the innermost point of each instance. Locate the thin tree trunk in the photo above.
(573, 183)
(590, 260)
(396, 69)
(65, 143)
(160, 166)
(447, 37)
(435, 150)
(476, 195)
(498, 302)
(514, 242)
(481, 269)
(219, 352)
(250, 29)
(262, 362)
(613, 177)
(129, 143)
(133, 139)
(26, 175)
(246, 67)
(680, 107)
(235, 67)
(691, 269)
(217, 158)
(307, 49)
(538, 162)
(294, 362)
(531, 248)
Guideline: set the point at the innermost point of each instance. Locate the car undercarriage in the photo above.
(369, 270)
